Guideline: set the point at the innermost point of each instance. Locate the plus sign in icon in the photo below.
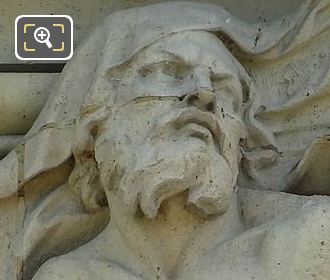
(43, 37)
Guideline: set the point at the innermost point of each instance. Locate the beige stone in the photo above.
(87, 14)
(168, 151)
(22, 96)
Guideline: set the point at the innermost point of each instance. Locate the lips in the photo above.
(198, 131)
(201, 124)
(196, 123)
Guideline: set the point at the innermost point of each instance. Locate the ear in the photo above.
(85, 177)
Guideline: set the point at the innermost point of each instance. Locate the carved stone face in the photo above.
(175, 126)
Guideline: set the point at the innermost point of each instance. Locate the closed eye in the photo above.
(166, 71)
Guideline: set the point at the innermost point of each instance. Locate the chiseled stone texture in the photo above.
(178, 143)
(87, 14)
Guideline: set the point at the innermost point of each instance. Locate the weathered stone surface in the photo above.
(87, 14)
(22, 96)
(168, 151)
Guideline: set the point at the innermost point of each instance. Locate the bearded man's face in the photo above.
(175, 126)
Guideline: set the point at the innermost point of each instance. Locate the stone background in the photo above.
(87, 13)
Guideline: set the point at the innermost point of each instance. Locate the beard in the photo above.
(169, 169)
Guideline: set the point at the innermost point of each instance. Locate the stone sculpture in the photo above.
(148, 161)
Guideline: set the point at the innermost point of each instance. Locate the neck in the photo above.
(157, 248)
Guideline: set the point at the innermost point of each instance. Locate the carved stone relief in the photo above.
(179, 143)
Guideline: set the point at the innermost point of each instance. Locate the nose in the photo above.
(203, 97)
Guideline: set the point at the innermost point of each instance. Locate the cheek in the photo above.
(120, 152)
(231, 143)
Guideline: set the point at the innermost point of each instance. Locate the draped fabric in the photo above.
(49, 144)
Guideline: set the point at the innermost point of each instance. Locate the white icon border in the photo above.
(40, 58)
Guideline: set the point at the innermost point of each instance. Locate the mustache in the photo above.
(190, 119)
(180, 117)
(204, 119)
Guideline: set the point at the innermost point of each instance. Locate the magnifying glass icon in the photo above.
(42, 35)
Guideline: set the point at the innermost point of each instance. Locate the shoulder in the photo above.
(294, 233)
(312, 222)
(259, 207)
(60, 268)
(300, 244)
(313, 229)
(64, 267)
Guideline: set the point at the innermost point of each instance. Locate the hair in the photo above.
(84, 179)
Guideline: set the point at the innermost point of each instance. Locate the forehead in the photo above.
(194, 48)
(173, 66)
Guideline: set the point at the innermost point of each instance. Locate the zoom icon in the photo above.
(43, 37)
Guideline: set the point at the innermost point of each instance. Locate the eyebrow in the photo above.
(233, 80)
(166, 56)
